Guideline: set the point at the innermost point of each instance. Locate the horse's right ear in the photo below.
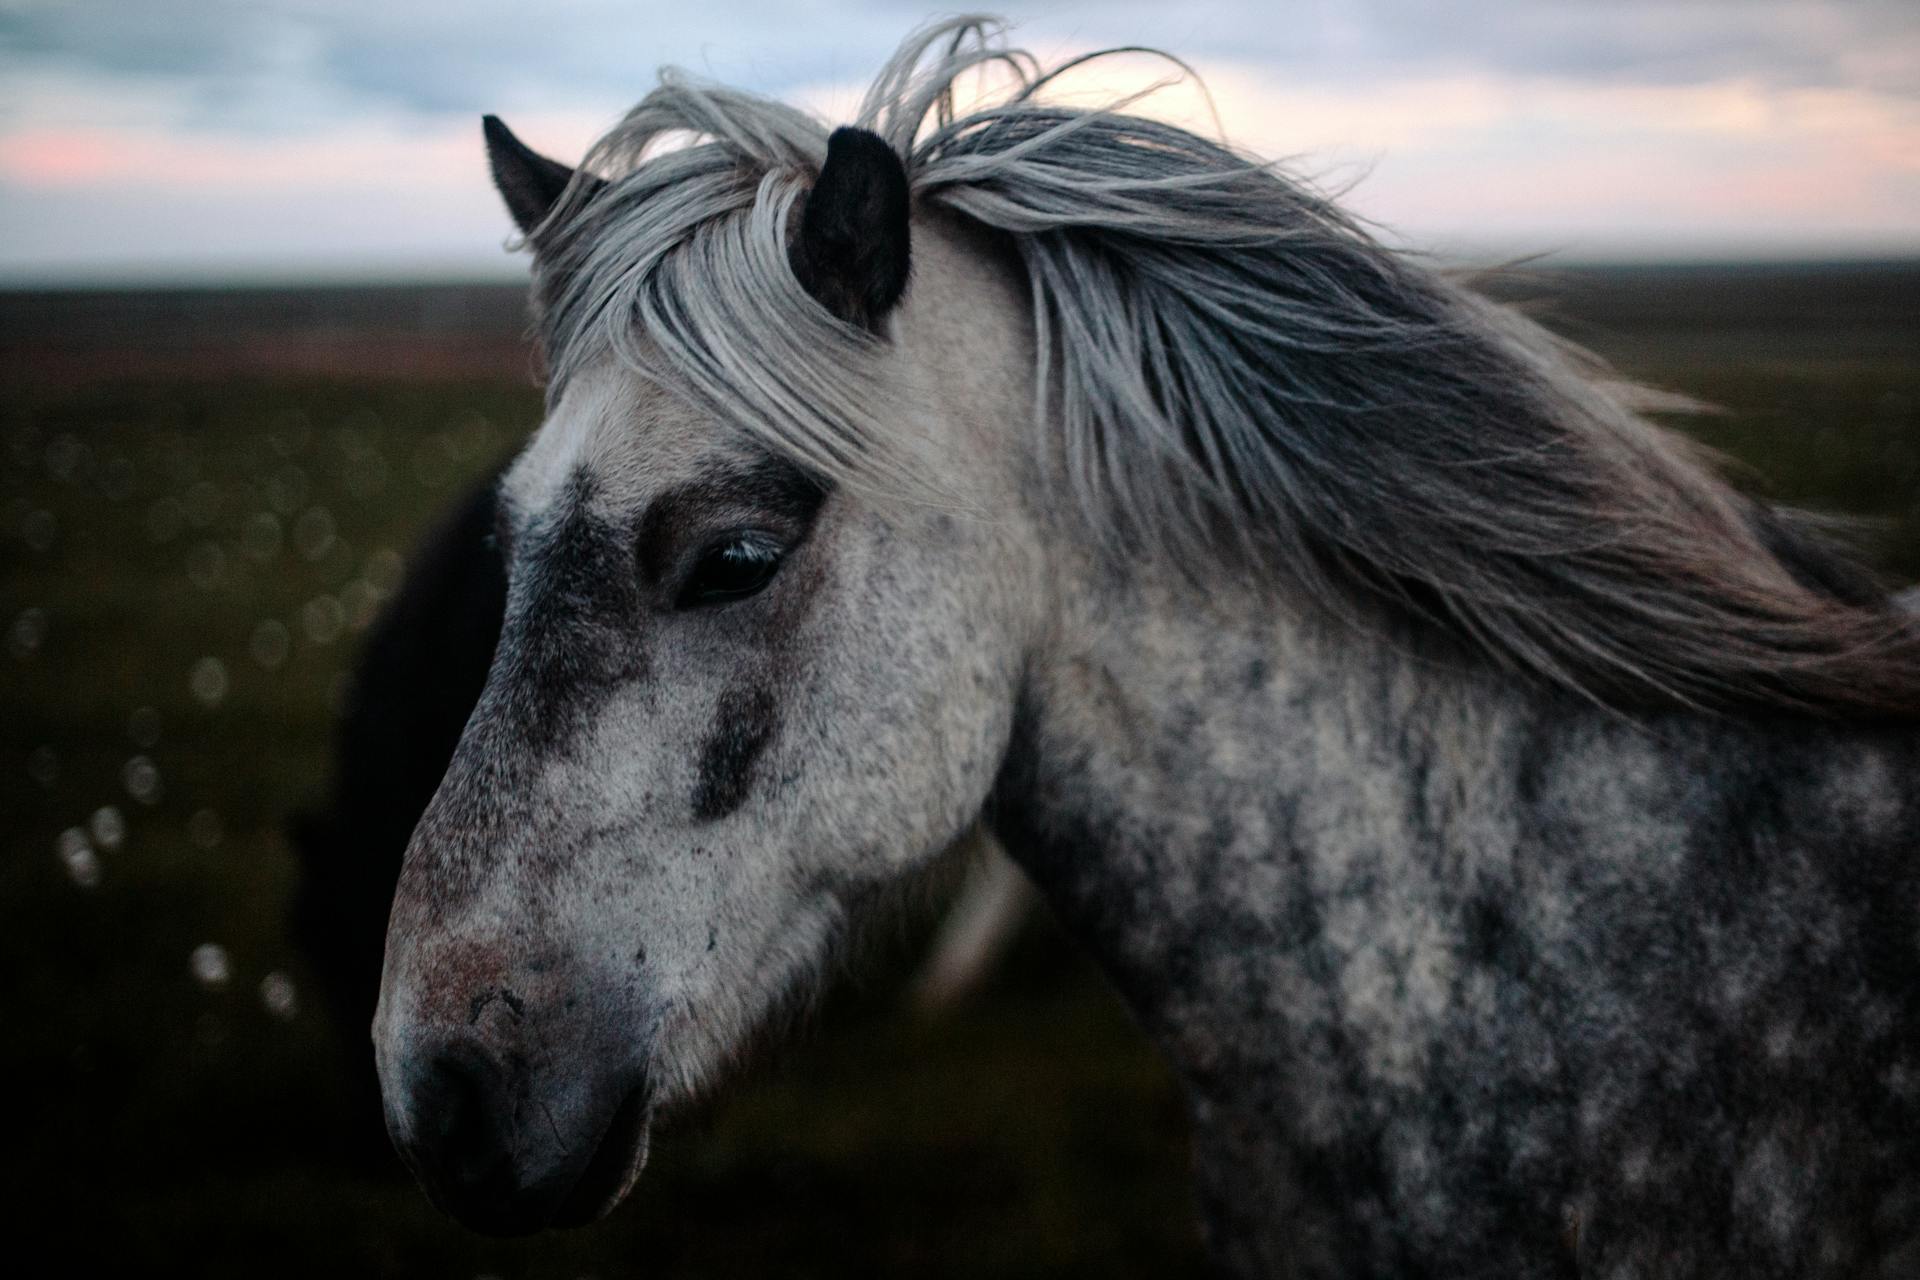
(529, 182)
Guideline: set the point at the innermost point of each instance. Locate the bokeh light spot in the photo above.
(28, 633)
(313, 532)
(261, 538)
(323, 618)
(384, 568)
(278, 994)
(77, 856)
(209, 965)
(209, 682)
(108, 827)
(142, 779)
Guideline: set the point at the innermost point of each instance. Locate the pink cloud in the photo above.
(1517, 162)
(416, 155)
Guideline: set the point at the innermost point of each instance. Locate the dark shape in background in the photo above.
(415, 684)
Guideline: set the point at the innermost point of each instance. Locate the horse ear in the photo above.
(851, 252)
(528, 181)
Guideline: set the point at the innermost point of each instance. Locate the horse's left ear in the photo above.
(530, 183)
(851, 251)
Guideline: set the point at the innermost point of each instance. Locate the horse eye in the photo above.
(731, 569)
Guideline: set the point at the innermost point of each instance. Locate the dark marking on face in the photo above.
(573, 629)
(772, 494)
(743, 724)
(572, 634)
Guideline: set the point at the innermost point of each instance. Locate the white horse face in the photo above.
(728, 704)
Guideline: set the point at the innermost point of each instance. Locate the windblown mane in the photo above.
(1235, 373)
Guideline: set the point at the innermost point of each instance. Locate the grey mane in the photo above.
(1237, 377)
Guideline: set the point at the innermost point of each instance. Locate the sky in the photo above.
(191, 140)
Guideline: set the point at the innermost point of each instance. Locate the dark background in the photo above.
(209, 492)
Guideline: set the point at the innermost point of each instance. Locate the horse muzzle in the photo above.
(515, 1113)
(494, 1153)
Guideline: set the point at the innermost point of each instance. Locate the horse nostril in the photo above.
(460, 1114)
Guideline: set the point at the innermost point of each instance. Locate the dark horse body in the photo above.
(1504, 828)
(415, 683)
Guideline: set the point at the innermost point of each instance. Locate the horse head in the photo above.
(732, 701)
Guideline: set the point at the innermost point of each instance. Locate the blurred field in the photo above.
(203, 496)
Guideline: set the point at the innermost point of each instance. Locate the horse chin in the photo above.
(614, 1166)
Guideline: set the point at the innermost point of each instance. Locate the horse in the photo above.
(1502, 825)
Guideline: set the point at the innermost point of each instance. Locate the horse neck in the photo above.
(1179, 754)
(1245, 814)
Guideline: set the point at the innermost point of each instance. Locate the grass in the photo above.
(170, 523)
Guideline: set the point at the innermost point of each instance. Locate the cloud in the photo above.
(435, 57)
(248, 60)
(219, 131)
